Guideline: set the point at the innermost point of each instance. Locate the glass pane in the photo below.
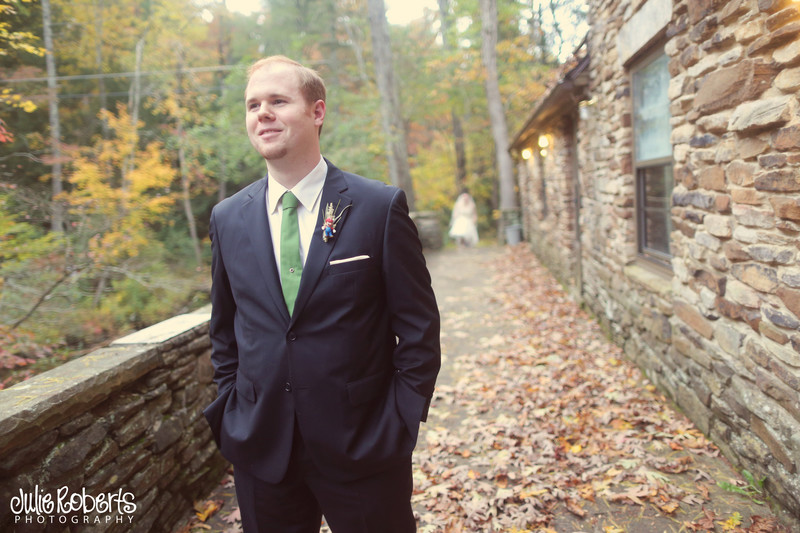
(651, 111)
(655, 186)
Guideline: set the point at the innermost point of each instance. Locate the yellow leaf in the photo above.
(204, 510)
(613, 529)
(731, 523)
(576, 448)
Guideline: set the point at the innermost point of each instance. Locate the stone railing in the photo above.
(115, 440)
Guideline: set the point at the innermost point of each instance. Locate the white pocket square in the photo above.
(349, 259)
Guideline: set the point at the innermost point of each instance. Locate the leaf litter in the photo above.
(543, 415)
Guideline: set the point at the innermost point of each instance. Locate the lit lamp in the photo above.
(544, 142)
(527, 153)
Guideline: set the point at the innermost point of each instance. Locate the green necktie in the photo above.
(291, 264)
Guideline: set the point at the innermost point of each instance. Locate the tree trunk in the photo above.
(505, 167)
(97, 5)
(134, 102)
(57, 220)
(185, 188)
(458, 130)
(393, 126)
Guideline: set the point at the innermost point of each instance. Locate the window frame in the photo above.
(652, 255)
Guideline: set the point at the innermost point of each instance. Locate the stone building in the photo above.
(660, 181)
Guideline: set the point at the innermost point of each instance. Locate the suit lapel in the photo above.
(319, 251)
(256, 224)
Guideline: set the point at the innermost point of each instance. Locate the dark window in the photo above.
(652, 157)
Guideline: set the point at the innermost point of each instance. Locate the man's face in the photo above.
(280, 122)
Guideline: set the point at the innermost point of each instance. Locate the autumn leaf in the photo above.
(670, 507)
(204, 510)
(731, 523)
(575, 509)
(234, 516)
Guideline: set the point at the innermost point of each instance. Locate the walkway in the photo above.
(538, 424)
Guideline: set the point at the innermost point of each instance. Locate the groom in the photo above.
(324, 328)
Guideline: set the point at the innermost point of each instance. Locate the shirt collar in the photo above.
(307, 189)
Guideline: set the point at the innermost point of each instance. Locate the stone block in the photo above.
(789, 54)
(693, 198)
(749, 31)
(772, 160)
(750, 147)
(791, 277)
(70, 454)
(766, 253)
(752, 217)
(718, 225)
(790, 298)
(747, 235)
(712, 178)
(693, 318)
(784, 180)
(707, 240)
(728, 337)
(777, 450)
(751, 117)
(706, 279)
(728, 87)
(747, 196)
(788, 80)
(782, 17)
(733, 8)
(774, 39)
(29, 453)
(716, 123)
(787, 138)
(166, 432)
(741, 173)
(722, 203)
(101, 456)
(740, 293)
(772, 333)
(760, 277)
(771, 6)
(133, 428)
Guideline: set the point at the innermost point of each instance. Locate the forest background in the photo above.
(105, 231)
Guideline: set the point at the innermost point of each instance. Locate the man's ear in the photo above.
(319, 112)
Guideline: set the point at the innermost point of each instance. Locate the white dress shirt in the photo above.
(309, 193)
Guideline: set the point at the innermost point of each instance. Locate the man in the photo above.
(325, 361)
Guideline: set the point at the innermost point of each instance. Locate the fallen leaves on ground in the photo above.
(544, 415)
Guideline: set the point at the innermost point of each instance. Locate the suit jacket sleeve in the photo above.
(414, 315)
(224, 350)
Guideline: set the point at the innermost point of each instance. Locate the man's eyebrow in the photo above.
(268, 97)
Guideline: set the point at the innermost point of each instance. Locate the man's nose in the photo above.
(265, 112)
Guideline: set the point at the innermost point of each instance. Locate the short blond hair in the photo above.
(311, 84)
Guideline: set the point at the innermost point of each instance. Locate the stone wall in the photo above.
(122, 425)
(718, 330)
(548, 204)
(735, 75)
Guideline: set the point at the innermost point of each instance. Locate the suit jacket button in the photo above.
(292, 336)
(287, 387)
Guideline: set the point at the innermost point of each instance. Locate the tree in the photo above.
(458, 130)
(393, 126)
(57, 222)
(505, 167)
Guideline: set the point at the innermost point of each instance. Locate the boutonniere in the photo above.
(331, 219)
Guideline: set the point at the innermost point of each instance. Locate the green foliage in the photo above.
(127, 257)
(754, 489)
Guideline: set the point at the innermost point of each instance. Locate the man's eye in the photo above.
(253, 106)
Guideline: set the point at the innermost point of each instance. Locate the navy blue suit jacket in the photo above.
(355, 364)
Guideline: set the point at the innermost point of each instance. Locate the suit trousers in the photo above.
(380, 503)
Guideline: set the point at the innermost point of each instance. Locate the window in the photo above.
(652, 157)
